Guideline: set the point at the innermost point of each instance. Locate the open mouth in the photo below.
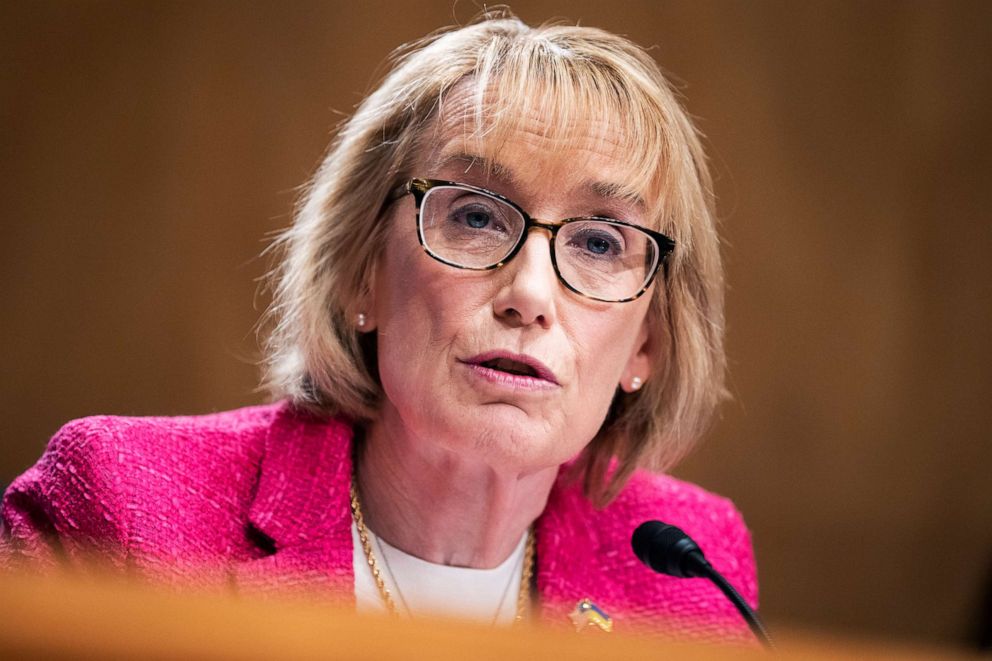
(511, 367)
(514, 365)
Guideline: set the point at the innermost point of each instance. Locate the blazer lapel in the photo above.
(302, 505)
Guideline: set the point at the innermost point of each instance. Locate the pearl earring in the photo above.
(360, 320)
(636, 383)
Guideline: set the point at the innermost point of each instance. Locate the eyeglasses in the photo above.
(468, 227)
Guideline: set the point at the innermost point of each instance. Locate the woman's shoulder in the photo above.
(127, 484)
(141, 430)
(712, 520)
(107, 450)
(649, 495)
(678, 502)
(586, 545)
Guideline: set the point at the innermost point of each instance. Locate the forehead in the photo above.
(534, 142)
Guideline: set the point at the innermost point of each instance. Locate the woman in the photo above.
(500, 299)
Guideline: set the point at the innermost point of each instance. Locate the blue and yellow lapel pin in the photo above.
(587, 613)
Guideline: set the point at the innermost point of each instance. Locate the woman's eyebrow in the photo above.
(618, 192)
(605, 190)
(474, 161)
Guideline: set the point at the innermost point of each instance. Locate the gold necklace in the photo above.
(523, 598)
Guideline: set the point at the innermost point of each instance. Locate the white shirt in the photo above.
(488, 596)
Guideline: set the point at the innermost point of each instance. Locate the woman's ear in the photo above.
(638, 367)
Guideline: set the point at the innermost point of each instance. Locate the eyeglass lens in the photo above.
(477, 231)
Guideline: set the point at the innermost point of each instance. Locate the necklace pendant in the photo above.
(588, 614)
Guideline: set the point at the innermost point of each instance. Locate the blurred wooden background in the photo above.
(149, 148)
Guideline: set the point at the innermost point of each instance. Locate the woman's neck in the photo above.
(441, 506)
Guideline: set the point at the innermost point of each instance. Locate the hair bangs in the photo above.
(543, 87)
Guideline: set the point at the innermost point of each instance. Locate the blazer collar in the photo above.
(304, 478)
(302, 503)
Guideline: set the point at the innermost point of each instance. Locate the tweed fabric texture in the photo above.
(256, 500)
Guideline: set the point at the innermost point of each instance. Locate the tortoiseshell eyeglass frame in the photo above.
(419, 187)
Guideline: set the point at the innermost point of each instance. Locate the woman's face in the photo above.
(439, 327)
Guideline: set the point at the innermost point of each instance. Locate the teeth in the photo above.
(510, 366)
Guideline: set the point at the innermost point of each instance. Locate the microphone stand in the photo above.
(755, 623)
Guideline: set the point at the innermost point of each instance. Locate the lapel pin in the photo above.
(587, 613)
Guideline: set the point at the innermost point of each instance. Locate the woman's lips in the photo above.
(512, 369)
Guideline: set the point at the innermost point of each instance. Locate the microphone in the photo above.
(668, 550)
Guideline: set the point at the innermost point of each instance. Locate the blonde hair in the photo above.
(314, 354)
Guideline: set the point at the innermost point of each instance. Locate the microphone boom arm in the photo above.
(752, 619)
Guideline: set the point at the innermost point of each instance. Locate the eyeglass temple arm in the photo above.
(398, 192)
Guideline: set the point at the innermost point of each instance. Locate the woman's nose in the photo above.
(527, 292)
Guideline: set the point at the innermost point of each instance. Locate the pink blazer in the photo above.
(257, 499)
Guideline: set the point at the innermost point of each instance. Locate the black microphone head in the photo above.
(667, 550)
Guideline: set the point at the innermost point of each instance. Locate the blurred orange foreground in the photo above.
(86, 617)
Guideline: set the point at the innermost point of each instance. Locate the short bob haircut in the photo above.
(315, 355)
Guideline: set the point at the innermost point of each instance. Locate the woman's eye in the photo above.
(475, 216)
(476, 219)
(597, 245)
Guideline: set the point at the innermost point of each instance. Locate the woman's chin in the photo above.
(506, 438)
